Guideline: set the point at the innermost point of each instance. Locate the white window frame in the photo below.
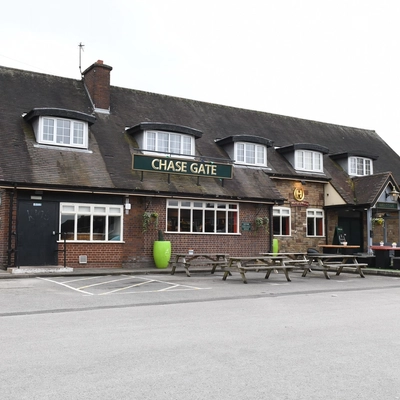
(202, 217)
(315, 218)
(57, 123)
(308, 160)
(360, 166)
(281, 213)
(250, 154)
(91, 211)
(163, 141)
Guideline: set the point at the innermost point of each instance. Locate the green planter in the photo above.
(161, 253)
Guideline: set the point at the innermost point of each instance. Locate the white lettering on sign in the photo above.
(182, 166)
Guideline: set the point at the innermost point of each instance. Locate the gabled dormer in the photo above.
(305, 157)
(246, 149)
(60, 127)
(173, 140)
(355, 163)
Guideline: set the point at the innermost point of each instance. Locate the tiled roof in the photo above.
(108, 164)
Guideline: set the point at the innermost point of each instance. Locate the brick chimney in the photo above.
(97, 81)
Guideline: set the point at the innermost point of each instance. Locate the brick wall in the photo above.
(314, 196)
(5, 196)
(97, 81)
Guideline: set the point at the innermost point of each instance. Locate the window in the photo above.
(92, 222)
(360, 166)
(169, 142)
(63, 132)
(249, 153)
(201, 217)
(307, 160)
(281, 221)
(315, 222)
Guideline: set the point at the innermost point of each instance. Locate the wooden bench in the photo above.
(198, 260)
(358, 267)
(267, 267)
(263, 263)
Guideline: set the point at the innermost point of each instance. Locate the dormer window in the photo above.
(306, 160)
(360, 166)
(356, 162)
(158, 137)
(59, 127)
(246, 149)
(62, 132)
(168, 142)
(307, 157)
(249, 153)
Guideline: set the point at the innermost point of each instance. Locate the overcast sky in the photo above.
(332, 61)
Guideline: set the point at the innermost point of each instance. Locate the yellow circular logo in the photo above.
(298, 194)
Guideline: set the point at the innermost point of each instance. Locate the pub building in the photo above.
(90, 172)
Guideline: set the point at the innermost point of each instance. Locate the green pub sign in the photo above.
(181, 166)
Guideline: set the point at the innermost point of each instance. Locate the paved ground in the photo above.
(157, 336)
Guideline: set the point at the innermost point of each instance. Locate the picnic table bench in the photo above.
(187, 260)
(336, 261)
(257, 264)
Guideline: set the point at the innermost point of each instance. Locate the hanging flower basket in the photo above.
(378, 221)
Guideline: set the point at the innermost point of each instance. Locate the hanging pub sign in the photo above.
(181, 166)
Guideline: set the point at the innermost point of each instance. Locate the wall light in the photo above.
(393, 193)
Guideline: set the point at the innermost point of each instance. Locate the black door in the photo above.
(36, 233)
(352, 227)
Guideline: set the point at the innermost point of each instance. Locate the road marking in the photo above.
(128, 287)
(171, 286)
(67, 286)
(105, 283)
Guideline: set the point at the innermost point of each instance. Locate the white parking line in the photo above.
(105, 283)
(67, 286)
(127, 287)
(171, 286)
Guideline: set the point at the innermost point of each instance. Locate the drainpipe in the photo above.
(10, 250)
(369, 230)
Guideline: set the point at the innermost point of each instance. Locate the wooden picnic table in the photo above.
(257, 263)
(339, 248)
(337, 261)
(187, 260)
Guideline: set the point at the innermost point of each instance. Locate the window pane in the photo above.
(175, 143)
(151, 141)
(198, 220)
(360, 166)
(99, 227)
(276, 225)
(260, 155)
(240, 152)
(172, 220)
(162, 141)
(250, 154)
(186, 145)
(83, 227)
(308, 160)
(367, 167)
(221, 223)
(285, 226)
(67, 226)
(185, 221)
(209, 221)
(232, 222)
(78, 133)
(48, 129)
(99, 209)
(63, 131)
(114, 228)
